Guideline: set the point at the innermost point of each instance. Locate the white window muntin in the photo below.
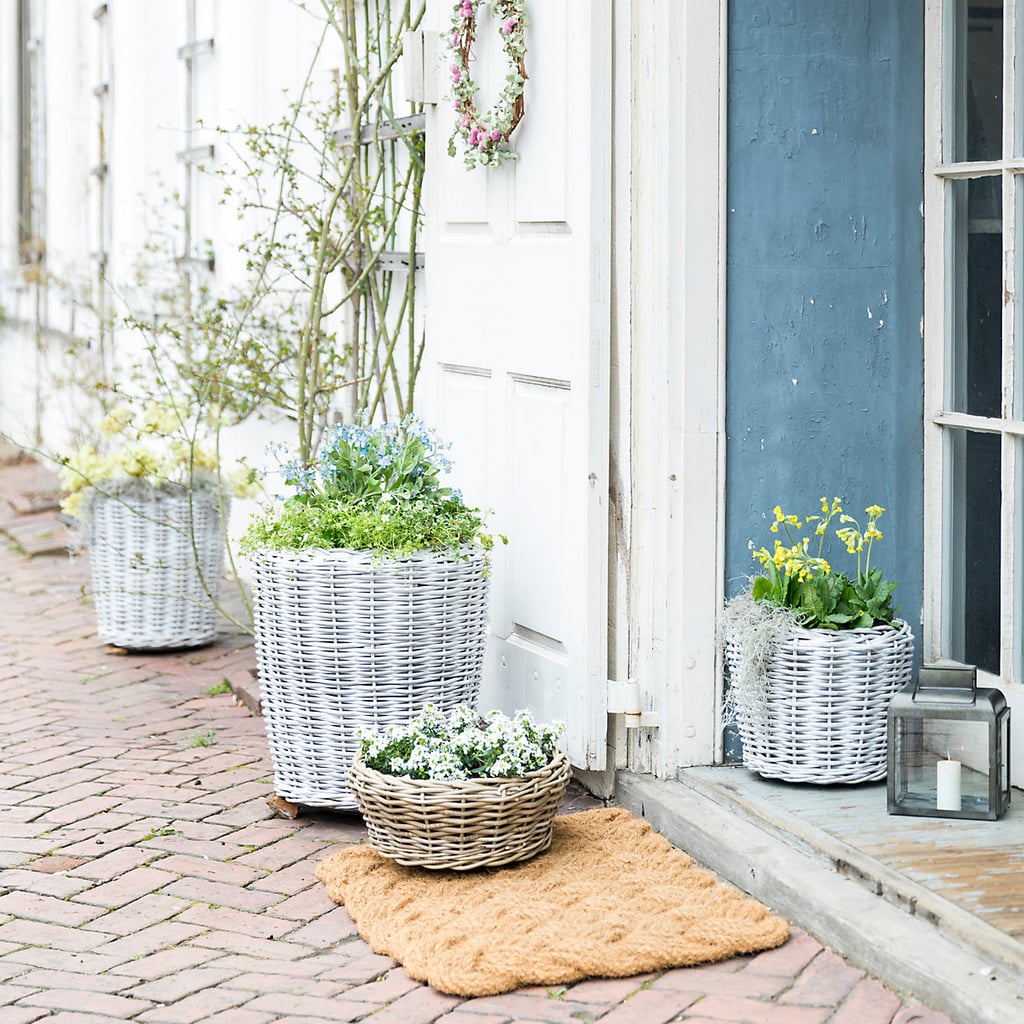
(948, 421)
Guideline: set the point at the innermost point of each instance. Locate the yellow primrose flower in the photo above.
(242, 483)
(159, 419)
(136, 461)
(71, 504)
(874, 511)
(153, 443)
(215, 416)
(203, 458)
(116, 420)
(76, 472)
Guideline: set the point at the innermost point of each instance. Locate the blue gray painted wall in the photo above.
(825, 272)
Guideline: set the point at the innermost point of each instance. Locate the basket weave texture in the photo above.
(464, 824)
(150, 559)
(827, 695)
(345, 639)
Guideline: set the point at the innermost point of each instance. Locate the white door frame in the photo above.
(669, 330)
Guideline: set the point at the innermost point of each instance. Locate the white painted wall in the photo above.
(262, 50)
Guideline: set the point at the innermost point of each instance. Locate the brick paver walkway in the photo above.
(143, 876)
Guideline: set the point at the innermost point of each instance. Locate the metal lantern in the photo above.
(949, 746)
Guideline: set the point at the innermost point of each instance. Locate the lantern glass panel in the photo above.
(1003, 744)
(958, 750)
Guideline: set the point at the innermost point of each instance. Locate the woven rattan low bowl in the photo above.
(460, 825)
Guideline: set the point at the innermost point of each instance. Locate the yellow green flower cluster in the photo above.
(851, 535)
(796, 559)
(799, 577)
(154, 444)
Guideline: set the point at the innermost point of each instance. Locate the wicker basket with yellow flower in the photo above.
(150, 502)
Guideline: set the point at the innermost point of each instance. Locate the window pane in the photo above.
(976, 114)
(974, 548)
(28, 130)
(976, 370)
(923, 743)
(1017, 384)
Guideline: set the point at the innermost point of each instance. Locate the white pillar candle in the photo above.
(948, 785)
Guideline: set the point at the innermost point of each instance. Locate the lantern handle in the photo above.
(946, 684)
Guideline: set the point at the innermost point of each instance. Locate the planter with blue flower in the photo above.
(814, 655)
(370, 601)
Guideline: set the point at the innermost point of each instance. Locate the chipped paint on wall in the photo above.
(825, 269)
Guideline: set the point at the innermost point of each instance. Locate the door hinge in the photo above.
(420, 51)
(624, 698)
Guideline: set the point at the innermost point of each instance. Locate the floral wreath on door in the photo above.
(486, 134)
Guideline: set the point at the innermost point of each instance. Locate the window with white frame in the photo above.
(30, 138)
(974, 361)
(196, 51)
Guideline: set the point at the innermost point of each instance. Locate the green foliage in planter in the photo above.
(394, 528)
(371, 489)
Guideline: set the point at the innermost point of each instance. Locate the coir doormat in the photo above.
(611, 898)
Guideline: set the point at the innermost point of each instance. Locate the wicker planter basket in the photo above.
(827, 694)
(476, 823)
(346, 640)
(153, 589)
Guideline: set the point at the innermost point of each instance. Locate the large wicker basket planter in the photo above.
(823, 718)
(346, 640)
(460, 825)
(156, 569)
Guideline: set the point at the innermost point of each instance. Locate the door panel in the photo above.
(516, 369)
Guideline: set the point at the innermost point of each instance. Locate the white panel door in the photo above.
(517, 280)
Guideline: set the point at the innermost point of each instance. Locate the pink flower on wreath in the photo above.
(474, 136)
(467, 9)
(465, 120)
(455, 40)
(506, 29)
(458, 104)
(456, 73)
(495, 136)
(482, 144)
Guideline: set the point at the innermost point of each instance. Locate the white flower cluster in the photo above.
(463, 745)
